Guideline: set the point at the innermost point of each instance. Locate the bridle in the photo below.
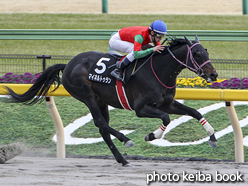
(197, 68)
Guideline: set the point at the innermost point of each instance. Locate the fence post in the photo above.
(55, 116)
(237, 132)
(44, 57)
(245, 7)
(58, 126)
(104, 6)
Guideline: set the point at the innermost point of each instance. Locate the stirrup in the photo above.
(117, 74)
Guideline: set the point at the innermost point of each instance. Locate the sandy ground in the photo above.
(231, 7)
(94, 172)
(24, 170)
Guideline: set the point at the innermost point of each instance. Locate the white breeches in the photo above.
(117, 44)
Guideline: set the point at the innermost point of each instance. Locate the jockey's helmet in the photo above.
(159, 27)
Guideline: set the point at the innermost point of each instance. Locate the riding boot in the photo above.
(117, 72)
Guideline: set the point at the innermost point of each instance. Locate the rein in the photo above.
(147, 59)
(159, 79)
(197, 68)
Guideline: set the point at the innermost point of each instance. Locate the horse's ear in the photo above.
(188, 41)
(196, 39)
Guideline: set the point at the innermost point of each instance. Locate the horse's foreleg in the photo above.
(180, 109)
(207, 126)
(152, 112)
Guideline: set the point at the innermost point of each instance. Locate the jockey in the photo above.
(131, 39)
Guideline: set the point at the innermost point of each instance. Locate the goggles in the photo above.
(158, 35)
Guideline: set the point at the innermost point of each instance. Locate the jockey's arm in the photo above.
(138, 53)
(149, 45)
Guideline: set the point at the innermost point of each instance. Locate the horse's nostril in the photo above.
(213, 76)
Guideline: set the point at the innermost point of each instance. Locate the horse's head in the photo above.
(198, 60)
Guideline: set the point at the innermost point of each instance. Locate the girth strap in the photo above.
(122, 95)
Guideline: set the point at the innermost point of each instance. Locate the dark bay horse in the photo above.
(150, 91)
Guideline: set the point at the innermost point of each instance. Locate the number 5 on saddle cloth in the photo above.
(100, 71)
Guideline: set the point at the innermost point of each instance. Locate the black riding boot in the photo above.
(117, 72)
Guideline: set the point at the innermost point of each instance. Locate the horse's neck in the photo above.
(167, 68)
(181, 55)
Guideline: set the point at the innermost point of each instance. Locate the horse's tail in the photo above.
(38, 91)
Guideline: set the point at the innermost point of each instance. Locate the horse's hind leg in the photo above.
(74, 81)
(106, 136)
(100, 116)
(101, 123)
(105, 130)
(119, 158)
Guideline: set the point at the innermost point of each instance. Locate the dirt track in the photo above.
(95, 172)
(231, 7)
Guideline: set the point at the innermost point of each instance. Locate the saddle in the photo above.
(100, 71)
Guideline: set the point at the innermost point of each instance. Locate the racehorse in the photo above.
(150, 91)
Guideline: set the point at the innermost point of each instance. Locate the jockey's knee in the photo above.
(130, 57)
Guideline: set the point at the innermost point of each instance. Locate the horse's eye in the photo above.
(197, 54)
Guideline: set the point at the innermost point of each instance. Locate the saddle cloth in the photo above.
(100, 71)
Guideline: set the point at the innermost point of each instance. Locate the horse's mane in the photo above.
(174, 43)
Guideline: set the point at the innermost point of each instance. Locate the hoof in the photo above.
(129, 143)
(212, 138)
(127, 165)
(150, 137)
(212, 143)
